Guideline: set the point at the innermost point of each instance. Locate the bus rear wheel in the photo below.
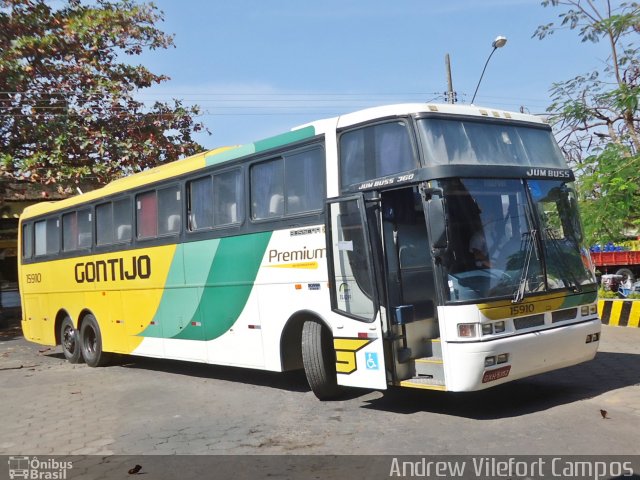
(70, 341)
(319, 360)
(91, 343)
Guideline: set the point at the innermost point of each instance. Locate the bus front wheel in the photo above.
(70, 341)
(91, 342)
(319, 360)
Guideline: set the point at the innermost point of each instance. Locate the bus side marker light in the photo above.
(363, 335)
(196, 324)
(254, 327)
(298, 286)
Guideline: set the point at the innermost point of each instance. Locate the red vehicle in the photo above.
(625, 263)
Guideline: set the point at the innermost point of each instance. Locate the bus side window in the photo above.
(226, 197)
(113, 222)
(267, 189)
(85, 228)
(147, 215)
(76, 230)
(122, 219)
(53, 235)
(41, 237)
(304, 181)
(70, 231)
(27, 240)
(104, 224)
(200, 193)
(169, 208)
(375, 151)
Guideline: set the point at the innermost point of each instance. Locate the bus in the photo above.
(416, 245)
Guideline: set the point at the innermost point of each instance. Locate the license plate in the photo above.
(492, 375)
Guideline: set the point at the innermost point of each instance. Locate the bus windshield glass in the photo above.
(510, 238)
(468, 142)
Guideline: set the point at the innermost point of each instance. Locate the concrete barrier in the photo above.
(621, 313)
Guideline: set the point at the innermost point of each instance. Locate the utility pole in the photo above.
(450, 95)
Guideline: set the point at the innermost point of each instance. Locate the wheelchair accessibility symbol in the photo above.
(372, 361)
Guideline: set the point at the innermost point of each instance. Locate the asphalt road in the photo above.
(146, 406)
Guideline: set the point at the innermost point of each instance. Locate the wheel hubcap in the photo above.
(69, 339)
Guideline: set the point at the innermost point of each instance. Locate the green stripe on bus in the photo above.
(229, 284)
(232, 154)
(573, 300)
(178, 305)
(285, 138)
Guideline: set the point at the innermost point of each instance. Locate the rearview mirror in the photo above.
(436, 223)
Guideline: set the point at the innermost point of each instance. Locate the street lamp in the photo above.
(499, 42)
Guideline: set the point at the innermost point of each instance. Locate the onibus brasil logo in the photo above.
(33, 468)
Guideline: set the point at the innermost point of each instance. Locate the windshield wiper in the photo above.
(563, 264)
(518, 295)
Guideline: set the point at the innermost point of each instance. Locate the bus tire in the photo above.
(319, 360)
(627, 274)
(70, 341)
(91, 342)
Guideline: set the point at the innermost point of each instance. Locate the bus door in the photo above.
(354, 270)
(413, 331)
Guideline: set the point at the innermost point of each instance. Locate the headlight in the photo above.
(467, 330)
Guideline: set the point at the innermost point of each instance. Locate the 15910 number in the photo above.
(522, 309)
(34, 277)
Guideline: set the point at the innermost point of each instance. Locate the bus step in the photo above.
(429, 367)
(436, 347)
(424, 383)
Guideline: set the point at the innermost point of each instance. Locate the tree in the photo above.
(68, 112)
(596, 115)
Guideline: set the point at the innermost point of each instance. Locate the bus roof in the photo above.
(436, 108)
(223, 154)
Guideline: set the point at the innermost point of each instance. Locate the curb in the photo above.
(620, 313)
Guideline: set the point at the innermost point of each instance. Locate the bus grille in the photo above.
(529, 322)
(564, 315)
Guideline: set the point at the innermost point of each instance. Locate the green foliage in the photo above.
(596, 117)
(68, 115)
(607, 294)
(609, 194)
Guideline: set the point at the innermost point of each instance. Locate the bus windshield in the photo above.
(511, 237)
(471, 142)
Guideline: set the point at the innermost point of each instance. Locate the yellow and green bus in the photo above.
(419, 245)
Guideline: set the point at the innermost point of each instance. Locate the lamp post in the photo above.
(499, 42)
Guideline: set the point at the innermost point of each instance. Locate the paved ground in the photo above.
(145, 406)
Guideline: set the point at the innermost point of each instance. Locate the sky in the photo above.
(258, 68)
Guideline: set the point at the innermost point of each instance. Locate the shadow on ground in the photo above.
(10, 328)
(607, 372)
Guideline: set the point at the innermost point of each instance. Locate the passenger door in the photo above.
(353, 272)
